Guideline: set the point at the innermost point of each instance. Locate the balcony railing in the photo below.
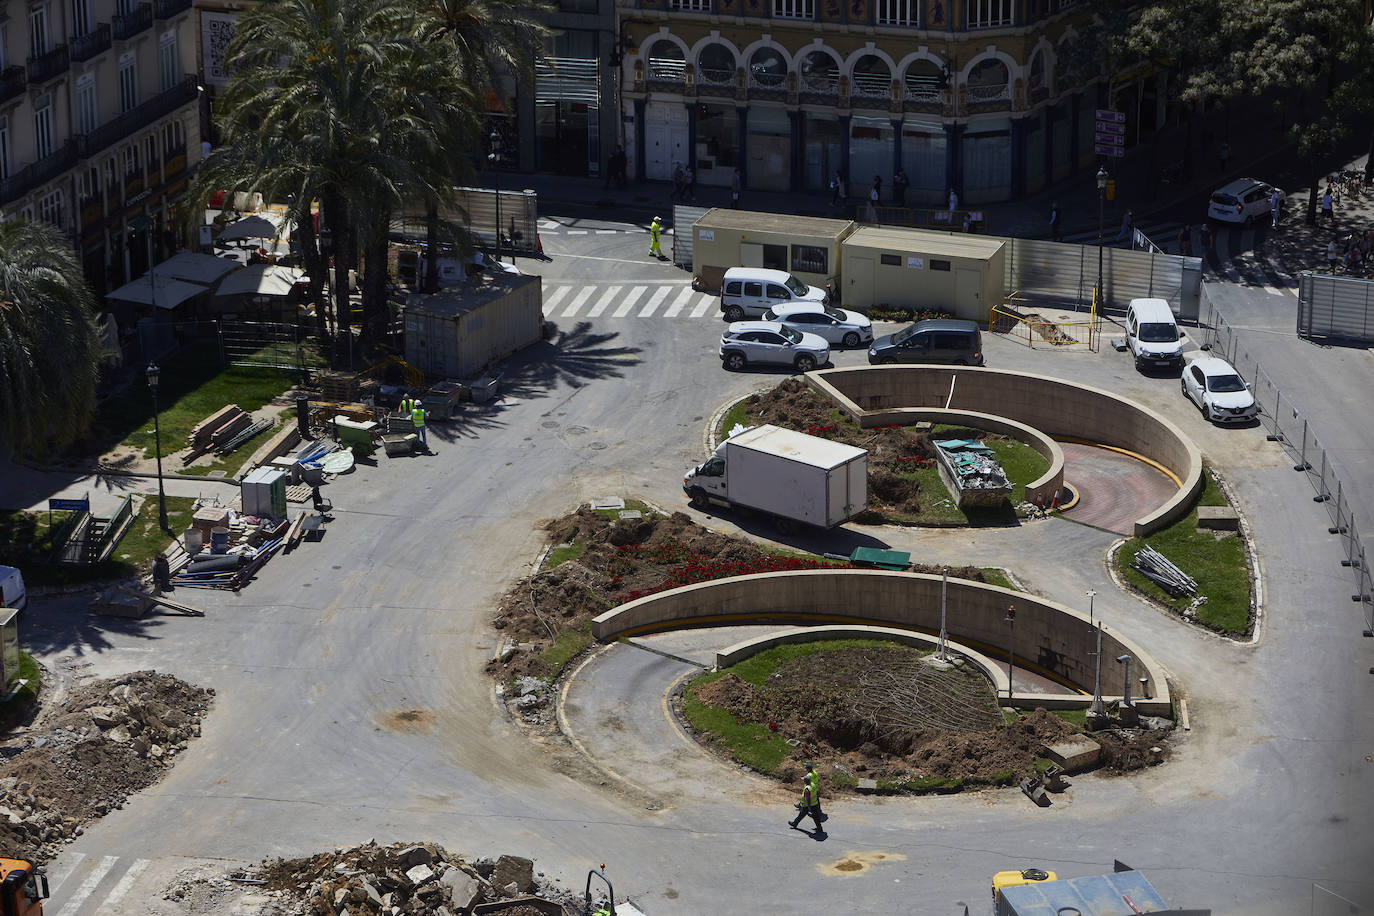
(84, 47)
(133, 22)
(49, 64)
(38, 173)
(166, 9)
(159, 106)
(996, 97)
(12, 82)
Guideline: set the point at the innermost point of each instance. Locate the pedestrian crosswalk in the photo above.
(649, 299)
(81, 884)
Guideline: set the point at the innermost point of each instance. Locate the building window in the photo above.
(985, 14)
(81, 17)
(4, 43)
(88, 184)
(123, 7)
(50, 208)
(890, 260)
(172, 139)
(691, 6)
(87, 116)
(899, 12)
(42, 127)
(813, 259)
(128, 82)
(131, 161)
(4, 147)
(939, 265)
(38, 32)
(666, 63)
(167, 60)
(150, 151)
(794, 9)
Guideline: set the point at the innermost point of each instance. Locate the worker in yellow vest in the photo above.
(814, 778)
(407, 404)
(807, 807)
(417, 415)
(655, 231)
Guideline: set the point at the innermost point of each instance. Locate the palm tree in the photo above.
(49, 344)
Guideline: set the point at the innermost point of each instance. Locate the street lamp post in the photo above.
(153, 373)
(1102, 188)
(944, 634)
(493, 160)
(1011, 646)
(1126, 687)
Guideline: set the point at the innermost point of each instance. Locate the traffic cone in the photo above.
(538, 243)
(1054, 503)
(1040, 503)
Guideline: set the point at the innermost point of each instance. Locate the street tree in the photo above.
(49, 344)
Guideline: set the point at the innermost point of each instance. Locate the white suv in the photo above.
(1219, 391)
(1242, 201)
(746, 342)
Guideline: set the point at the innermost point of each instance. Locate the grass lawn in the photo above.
(13, 709)
(563, 649)
(1217, 564)
(192, 386)
(234, 460)
(26, 537)
(1022, 464)
(994, 576)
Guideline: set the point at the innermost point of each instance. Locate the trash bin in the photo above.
(486, 388)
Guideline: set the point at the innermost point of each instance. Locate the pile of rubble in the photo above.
(409, 879)
(83, 758)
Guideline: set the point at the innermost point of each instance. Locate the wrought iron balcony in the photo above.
(166, 9)
(12, 82)
(133, 22)
(38, 173)
(136, 119)
(84, 47)
(49, 64)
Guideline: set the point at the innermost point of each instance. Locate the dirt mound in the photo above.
(107, 740)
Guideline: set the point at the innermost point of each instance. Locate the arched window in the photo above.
(666, 62)
(716, 64)
(767, 67)
(1037, 78)
(988, 80)
(820, 72)
(872, 77)
(923, 81)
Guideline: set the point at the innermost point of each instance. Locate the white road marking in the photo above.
(555, 297)
(582, 296)
(76, 900)
(576, 232)
(629, 302)
(126, 882)
(606, 299)
(706, 302)
(683, 297)
(55, 883)
(659, 295)
(607, 231)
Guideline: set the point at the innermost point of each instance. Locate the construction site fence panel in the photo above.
(1287, 423)
(1335, 308)
(1023, 320)
(684, 218)
(478, 209)
(1067, 273)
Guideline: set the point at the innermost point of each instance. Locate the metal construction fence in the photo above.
(1068, 273)
(1339, 308)
(684, 218)
(1023, 320)
(481, 210)
(1286, 424)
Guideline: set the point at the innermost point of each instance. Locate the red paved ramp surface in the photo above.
(1113, 489)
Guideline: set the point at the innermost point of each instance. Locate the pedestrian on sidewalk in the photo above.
(622, 162)
(1127, 228)
(655, 232)
(807, 807)
(1185, 240)
(1275, 206)
(1224, 153)
(691, 178)
(734, 190)
(813, 777)
(953, 201)
(836, 184)
(899, 185)
(1056, 229)
(1333, 256)
(1205, 233)
(1329, 206)
(679, 181)
(875, 197)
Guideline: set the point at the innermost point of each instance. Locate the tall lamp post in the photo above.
(493, 162)
(1011, 646)
(153, 373)
(1101, 196)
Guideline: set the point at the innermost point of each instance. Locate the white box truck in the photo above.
(12, 591)
(789, 475)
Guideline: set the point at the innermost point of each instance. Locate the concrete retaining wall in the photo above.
(879, 395)
(1056, 639)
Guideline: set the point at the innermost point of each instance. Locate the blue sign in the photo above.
(70, 505)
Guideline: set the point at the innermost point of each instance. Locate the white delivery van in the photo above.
(748, 292)
(12, 593)
(1152, 334)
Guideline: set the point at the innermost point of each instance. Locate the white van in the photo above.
(12, 593)
(1152, 334)
(748, 292)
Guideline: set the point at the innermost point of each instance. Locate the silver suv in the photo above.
(746, 342)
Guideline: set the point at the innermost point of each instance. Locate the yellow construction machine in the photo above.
(22, 889)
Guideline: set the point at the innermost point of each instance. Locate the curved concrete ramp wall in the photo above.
(1052, 637)
(879, 395)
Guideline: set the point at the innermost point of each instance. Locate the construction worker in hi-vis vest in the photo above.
(417, 415)
(655, 230)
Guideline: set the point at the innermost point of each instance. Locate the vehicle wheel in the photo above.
(887, 361)
(805, 364)
(735, 361)
(851, 339)
(697, 499)
(734, 313)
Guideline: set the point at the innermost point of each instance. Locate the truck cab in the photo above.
(706, 479)
(22, 889)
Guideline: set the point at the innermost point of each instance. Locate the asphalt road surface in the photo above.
(352, 704)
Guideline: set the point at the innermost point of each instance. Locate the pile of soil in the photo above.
(85, 756)
(625, 559)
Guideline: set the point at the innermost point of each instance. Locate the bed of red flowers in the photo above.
(685, 566)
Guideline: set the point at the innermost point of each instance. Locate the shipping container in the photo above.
(961, 274)
(457, 333)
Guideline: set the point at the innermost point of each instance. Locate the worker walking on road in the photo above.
(808, 806)
(655, 232)
(417, 416)
(813, 778)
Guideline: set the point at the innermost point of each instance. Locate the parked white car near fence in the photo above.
(839, 326)
(1218, 391)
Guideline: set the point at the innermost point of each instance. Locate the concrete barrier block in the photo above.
(1218, 518)
(1075, 753)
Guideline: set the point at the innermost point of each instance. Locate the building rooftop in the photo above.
(479, 288)
(950, 244)
(723, 218)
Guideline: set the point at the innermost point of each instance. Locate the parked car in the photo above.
(1219, 391)
(1242, 201)
(1152, 334)
(746, 342)
(838, 326)
(748, 292)
(936, 340)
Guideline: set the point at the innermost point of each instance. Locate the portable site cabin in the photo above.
(908, 268)
(808, 247)
(460, 331)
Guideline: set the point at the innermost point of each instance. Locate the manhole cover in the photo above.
(576, 430)
(608, 502)
(597, 445)
(549, 424)
(631, 513)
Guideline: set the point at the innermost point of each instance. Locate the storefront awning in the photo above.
(260, 280)
(167, 293)
(204, 269)
(258, 226)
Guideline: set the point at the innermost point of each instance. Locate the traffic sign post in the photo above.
(1109, 137)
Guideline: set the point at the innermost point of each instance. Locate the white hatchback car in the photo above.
(1242, 201)
(1219, 391)
(838, 326)
(746, 342)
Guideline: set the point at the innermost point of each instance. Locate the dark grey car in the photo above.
(938, 340)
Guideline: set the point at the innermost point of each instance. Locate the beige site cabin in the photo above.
(964, 275)
(808, 247)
